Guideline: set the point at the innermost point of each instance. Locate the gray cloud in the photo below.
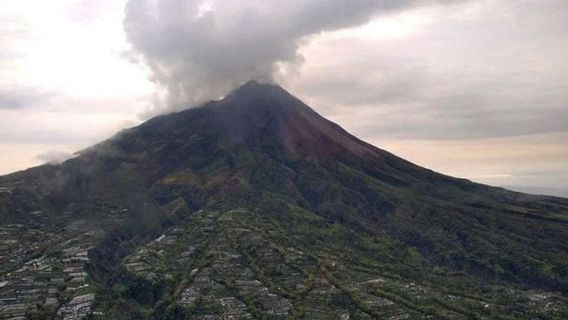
(18, 98)
(199, 50)
(478, 70)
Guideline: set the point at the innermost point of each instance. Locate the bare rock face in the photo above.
(256, 207)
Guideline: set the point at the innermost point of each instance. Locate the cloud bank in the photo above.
(486, 69)
(22, 97)
(199, 49)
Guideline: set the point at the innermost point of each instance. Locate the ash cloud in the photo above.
(199, 50)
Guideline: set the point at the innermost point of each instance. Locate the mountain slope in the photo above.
(257, 207)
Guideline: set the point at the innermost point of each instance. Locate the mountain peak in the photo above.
(255, 87)
(264, 112)
(256, 94)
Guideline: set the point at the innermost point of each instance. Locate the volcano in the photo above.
(257, 207)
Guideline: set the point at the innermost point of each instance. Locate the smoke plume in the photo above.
(201, 49)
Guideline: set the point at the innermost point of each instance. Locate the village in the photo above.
(217, 266)
(228, 265)
(36, 282)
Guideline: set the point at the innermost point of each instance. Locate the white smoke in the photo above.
(201, 49)
(54, 157)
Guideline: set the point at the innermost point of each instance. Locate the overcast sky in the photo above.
(475, 89)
